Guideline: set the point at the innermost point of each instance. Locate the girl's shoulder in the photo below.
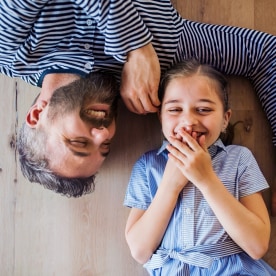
(237, 148)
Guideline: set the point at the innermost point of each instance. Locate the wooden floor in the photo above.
(270, 257)
(44, 234)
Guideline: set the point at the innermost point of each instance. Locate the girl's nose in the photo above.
(187, 123)
(186, 128)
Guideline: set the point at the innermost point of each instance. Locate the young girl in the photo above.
(197, 207)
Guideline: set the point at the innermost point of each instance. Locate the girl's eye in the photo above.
(204, 110)
(174, 110)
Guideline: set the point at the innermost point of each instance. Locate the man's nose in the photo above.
(100, 134)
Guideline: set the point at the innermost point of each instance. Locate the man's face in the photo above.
(79, 123)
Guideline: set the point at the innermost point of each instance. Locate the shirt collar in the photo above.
(163, 147)
(213, 149)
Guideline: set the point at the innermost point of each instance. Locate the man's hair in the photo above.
(33, 156)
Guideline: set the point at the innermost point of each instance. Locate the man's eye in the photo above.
(78, 143)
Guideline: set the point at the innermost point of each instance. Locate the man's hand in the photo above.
(140, 80)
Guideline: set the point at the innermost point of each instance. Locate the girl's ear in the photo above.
(32, 117)
(227, 117)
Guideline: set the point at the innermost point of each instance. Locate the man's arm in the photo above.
(17, 19)
(128, 40)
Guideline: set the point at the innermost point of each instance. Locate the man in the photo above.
(75, 125)
(51, 43)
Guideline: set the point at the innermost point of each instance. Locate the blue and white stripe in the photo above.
(194, 239)
(235, 51)
(42, 36)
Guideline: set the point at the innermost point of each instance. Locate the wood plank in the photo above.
(44, 234)
(7, 175)
(235, 13)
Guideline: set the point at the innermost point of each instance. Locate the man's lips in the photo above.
(96, 113)
(99, 111)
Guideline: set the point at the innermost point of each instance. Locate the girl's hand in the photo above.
(192, 158)
(174, 177)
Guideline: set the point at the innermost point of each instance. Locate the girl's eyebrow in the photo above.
(206, 100)
(199, 100)
(171, 101)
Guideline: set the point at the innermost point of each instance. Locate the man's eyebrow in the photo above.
(85, 154)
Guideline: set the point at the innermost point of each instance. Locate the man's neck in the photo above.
(54, 81)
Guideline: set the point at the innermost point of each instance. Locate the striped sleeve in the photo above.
(44, 35)
(120, 24)
(17, 19)
(250, 178)
(137, 194)
(144, 180)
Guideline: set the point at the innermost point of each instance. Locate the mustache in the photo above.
(111, 100)
(97, 122)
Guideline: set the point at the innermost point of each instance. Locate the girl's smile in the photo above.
(193, 104)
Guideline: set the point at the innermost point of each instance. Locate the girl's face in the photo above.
(193, 104)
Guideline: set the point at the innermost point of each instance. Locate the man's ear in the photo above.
(33, 114)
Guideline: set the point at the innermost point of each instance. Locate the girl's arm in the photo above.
(246, 221)
(145, 229)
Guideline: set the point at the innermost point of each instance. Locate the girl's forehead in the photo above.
(192, 89)
(194, 78)
(196, 84)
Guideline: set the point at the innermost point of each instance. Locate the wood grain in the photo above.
(46, 234)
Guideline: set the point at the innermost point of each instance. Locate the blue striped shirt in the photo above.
(79, 36)
(195, 242)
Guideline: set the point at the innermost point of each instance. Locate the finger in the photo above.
(147, 104)
(189, 140)
(153, 96)
(202, 142)
(184, 131)
(134, 106)
(192, 143)
(178, 152)
(138, 101)
(177, 162)
(177, 157)
(178, 137)
(137, 107)
(143, 98)
(194, 135)
(131, 100)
